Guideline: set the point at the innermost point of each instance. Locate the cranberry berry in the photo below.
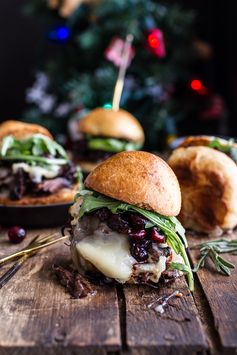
(137, 221)
(118, 224)
(16, 234)
(138, 235)
(138, 252)
(156, 236)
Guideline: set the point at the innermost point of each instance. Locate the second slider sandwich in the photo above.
(124, 227)
(103, 133)
(34, 169)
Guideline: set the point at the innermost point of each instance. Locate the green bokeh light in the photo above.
(107, 106)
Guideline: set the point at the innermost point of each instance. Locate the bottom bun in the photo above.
(62, 196)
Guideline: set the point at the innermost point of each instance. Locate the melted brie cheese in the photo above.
(109, 253)
(37, 172)
(154, 270)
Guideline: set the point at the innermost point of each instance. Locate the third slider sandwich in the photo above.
(207, 172)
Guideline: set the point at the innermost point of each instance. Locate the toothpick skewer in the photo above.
(121, 75)
(33, 247)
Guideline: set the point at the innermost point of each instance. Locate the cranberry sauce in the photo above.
(134, 225)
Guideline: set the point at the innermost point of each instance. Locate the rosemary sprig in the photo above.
(212, 249)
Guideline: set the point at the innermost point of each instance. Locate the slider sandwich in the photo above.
(34, 169)
(103, 133)
(124, 227)
(207, 173)
(229, 147)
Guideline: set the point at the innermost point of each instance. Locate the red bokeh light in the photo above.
(196, 85)
(153, 41)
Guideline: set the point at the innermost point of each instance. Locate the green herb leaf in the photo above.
(180, 267)
(6, 144)
(34, 159)
(149, 225)
(32, 150)
(212, 249)
(225, 147)
(218, 144)
(112, 145)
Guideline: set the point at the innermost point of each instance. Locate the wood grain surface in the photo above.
(221, 295)
(170, 330)
(36, 312)
(37, 315)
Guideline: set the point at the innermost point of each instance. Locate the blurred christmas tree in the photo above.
(89, 37)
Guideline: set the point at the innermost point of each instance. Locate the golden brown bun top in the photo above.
(192, 141)
(138, 178)
(21, 130)
(207, 179)
(116, 124)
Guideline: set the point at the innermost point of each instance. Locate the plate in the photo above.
(41, 216)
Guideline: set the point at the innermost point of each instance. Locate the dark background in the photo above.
(21, 36)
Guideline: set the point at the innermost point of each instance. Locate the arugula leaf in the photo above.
(32, 149)
(180, 267)
(223, 147)
(34, 159)
(226, 147)
(112, 145)
(6, 144)
(79, 176)
(169, 225)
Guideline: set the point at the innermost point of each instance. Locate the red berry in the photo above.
(138, 235)
(138, 252)
(156, 237)
(16, 234)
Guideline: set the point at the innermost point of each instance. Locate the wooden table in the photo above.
(37, 315)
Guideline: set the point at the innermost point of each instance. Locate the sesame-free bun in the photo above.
(207, 179)
(115, 124)
(138, 178)
(64, 195)
(21, 130)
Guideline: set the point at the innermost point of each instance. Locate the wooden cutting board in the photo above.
(37, 315)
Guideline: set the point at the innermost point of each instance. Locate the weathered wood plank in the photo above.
(177, 331)
(37, 313)
(221, 293)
